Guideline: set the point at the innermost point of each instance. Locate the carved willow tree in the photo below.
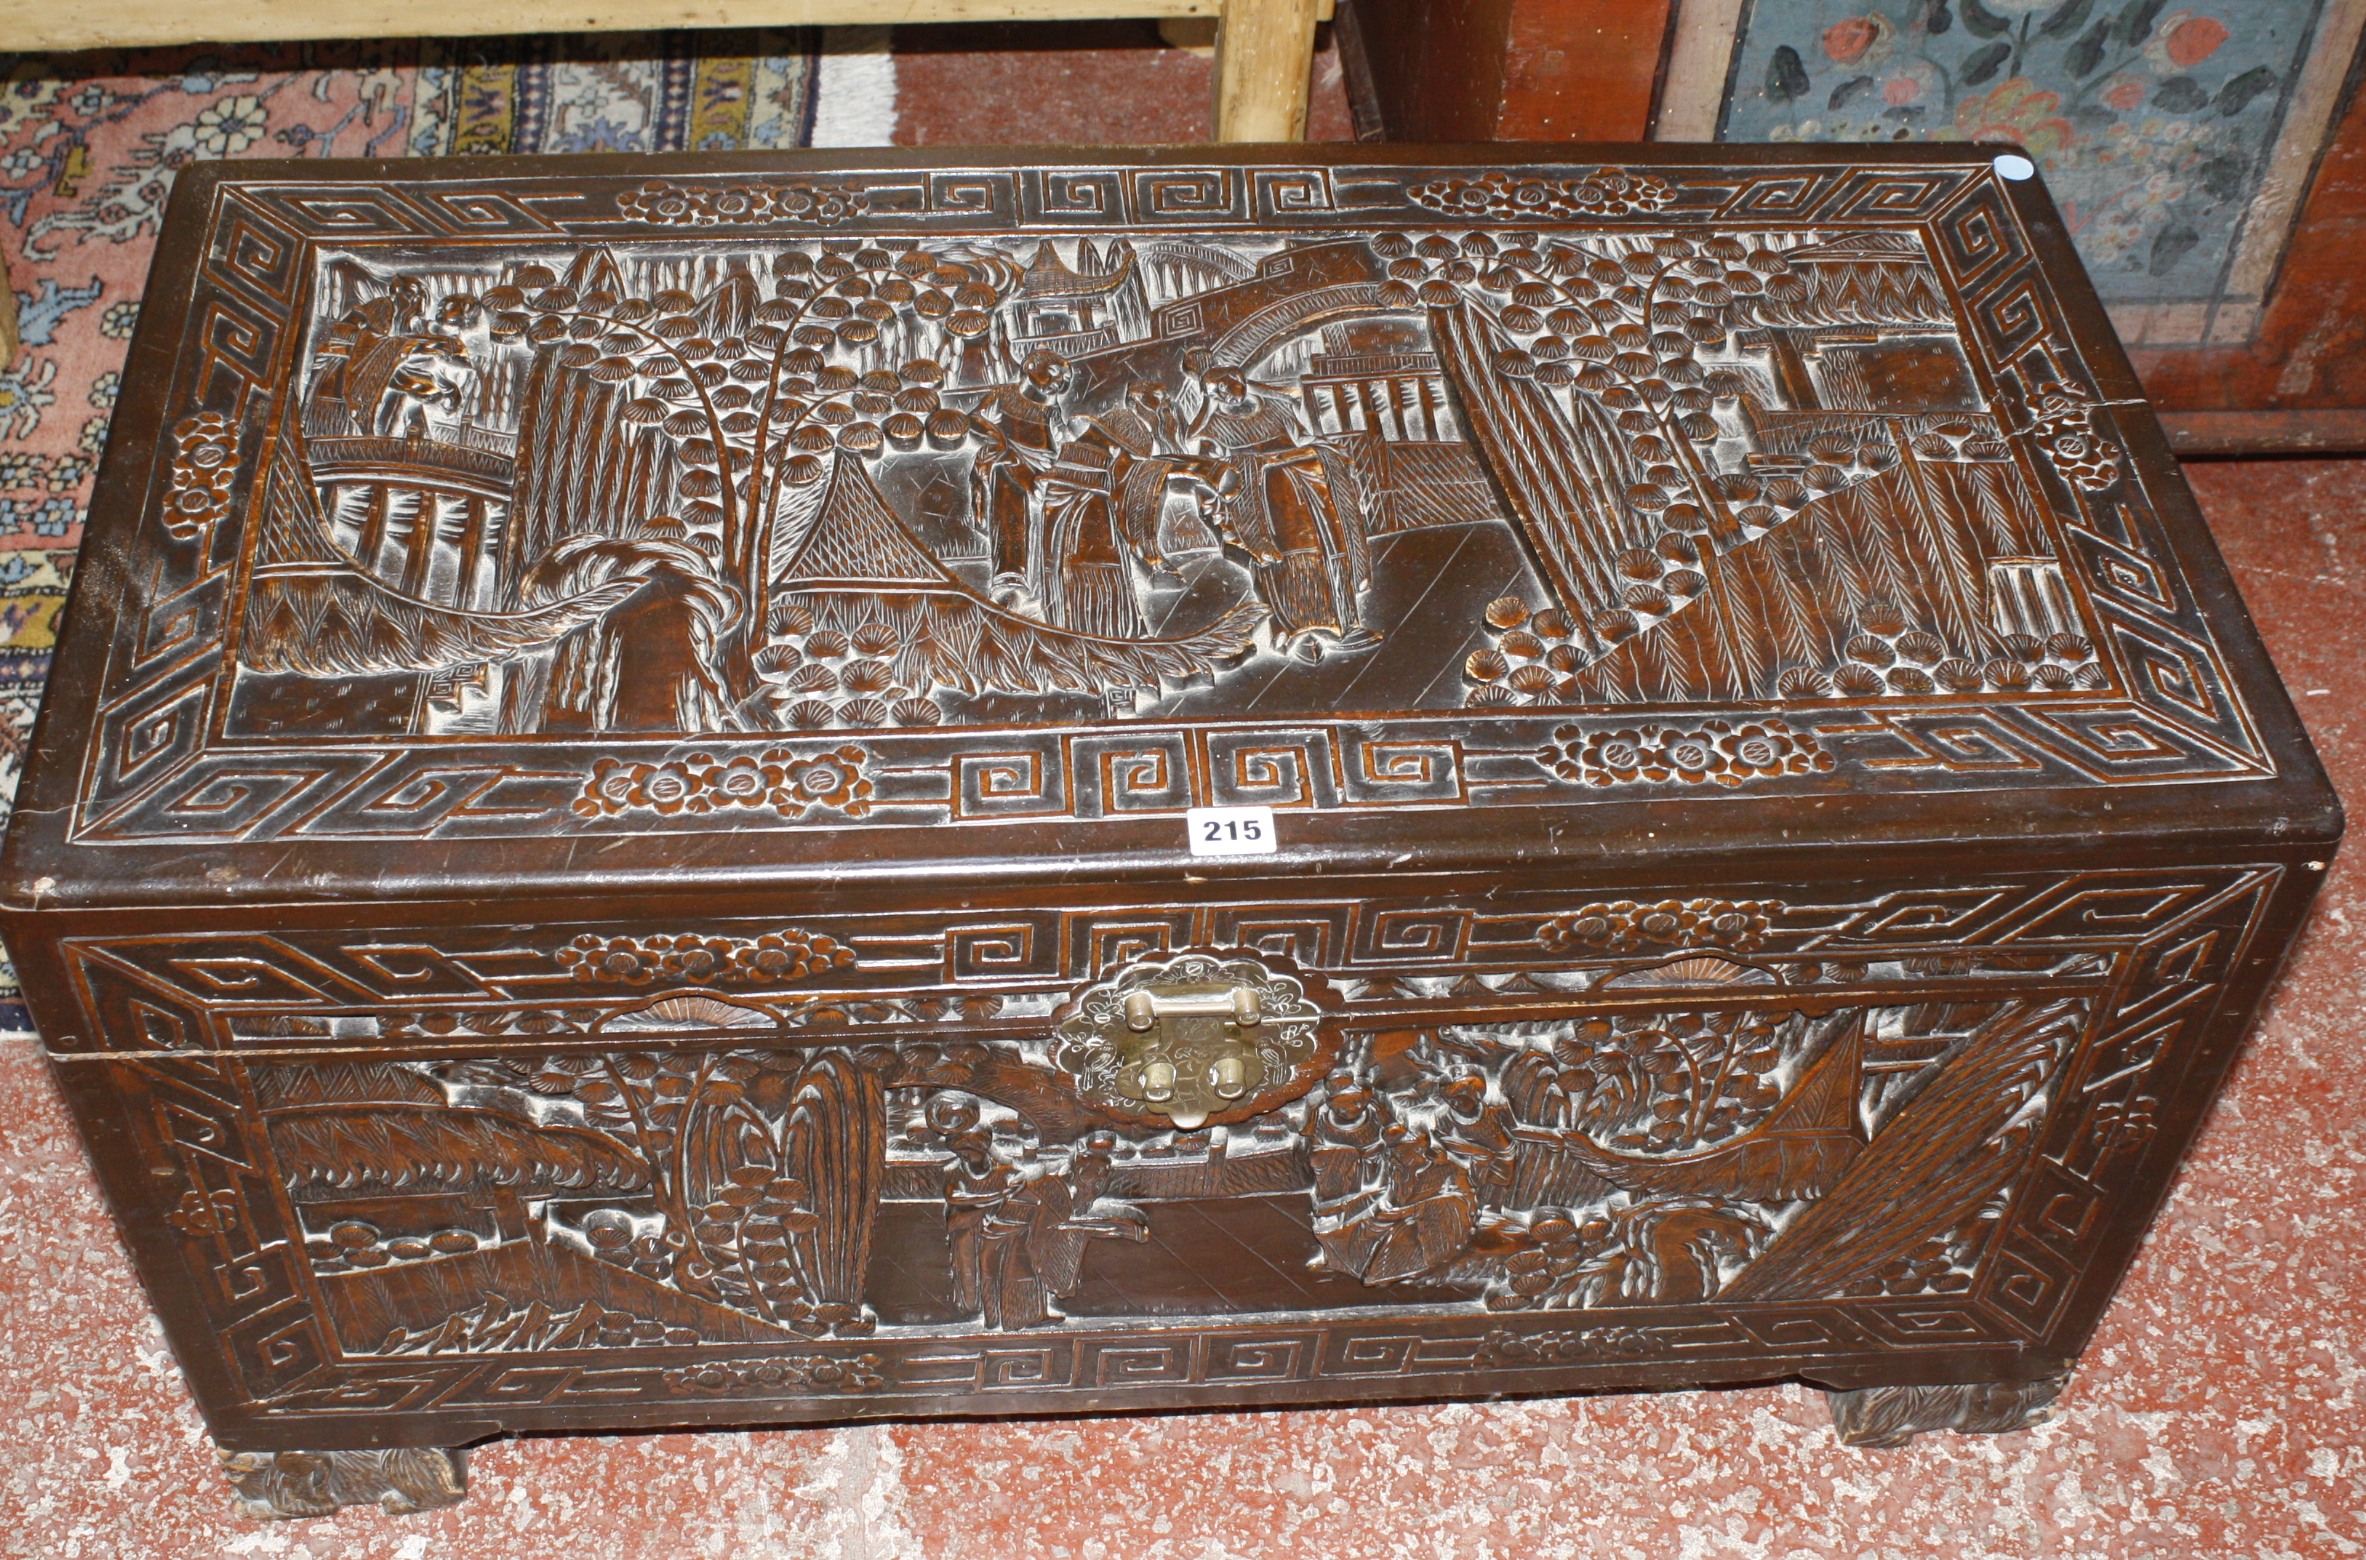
(753, 394)
(1617, 326)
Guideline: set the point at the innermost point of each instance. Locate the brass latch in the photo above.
(1194, 1037)
(1186, 1041)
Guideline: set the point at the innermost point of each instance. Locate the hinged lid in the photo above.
(476, 528)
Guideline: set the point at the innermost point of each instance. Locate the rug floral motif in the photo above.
(89, 144)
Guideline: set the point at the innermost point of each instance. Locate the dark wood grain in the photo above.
(1510, 70)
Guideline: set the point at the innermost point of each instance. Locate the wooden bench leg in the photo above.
(1264, 69)
(8, 332)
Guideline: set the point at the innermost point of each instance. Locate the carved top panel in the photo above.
(787, 498)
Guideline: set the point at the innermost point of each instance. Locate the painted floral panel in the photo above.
(2153, 121)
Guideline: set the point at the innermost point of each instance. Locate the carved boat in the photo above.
(317, 612)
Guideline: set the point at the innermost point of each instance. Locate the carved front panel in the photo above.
(592, 506)
(1758, 1133)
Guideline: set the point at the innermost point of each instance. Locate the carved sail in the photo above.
(1944, 1155)
(1561, 478)
(1799, 1150)
(1796, 596)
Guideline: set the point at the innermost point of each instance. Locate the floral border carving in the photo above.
(776, 1373)
(794, 786)
(786, 955)
(666, 204)
(1606, 192)
(2065, 430)
(205, 458)
(1723, 752)
(1625, 926)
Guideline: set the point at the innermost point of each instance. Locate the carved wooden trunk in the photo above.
(618, 841)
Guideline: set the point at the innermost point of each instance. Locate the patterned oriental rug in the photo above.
(89, 144)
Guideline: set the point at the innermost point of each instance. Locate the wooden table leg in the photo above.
(8, 331)
(1264, 68)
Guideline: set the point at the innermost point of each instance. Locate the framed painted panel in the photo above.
(2209, 158)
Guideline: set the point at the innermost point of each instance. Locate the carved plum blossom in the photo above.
(205, 454)
(786, 955)
(744, 781)
(1625, 925)
(1692, 757)
(781, 1373)
(699, 783)
(1766, 747)
(697, 958)
(832, 779)
(1717, 750)
(202, 1214)
(1606, 192)
(2065, 431)
(1604, 757)
(667, 204)
(622, 785)
(629, 960)
(1503, 1347)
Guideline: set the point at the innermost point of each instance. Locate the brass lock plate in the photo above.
(1192, 1039)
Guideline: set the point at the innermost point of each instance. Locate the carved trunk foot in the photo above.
(1892, 1416)
(271, 1486)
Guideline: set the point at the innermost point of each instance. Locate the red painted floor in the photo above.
(2217, 1414)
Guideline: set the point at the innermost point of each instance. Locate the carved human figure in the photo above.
(979, 1187)
(1343, 1133)
(1294, 514)
(1073, 1210)
(990, 1210)
(1343, 1129)
(1426, 1212)
(1102, 504)
(382, 364)
(1477, 1134)
(1023, 426)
